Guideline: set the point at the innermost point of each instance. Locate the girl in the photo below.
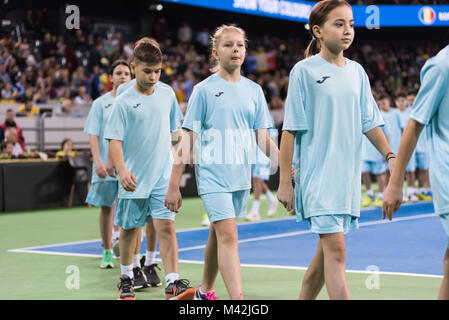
(224, 109)
(104, 187)
(329, 107)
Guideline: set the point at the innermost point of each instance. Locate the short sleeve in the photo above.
(94, 119)
(116, 125)
(295, 115)
(371, 116)
(196, 111)
(262, 116)
(433, 87)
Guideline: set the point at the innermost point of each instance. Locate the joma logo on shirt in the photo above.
(107, 106)
(322, 80)
(136, 105)
(219, 94)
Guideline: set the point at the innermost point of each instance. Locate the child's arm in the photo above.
(285, 192)
(173, 199)
(267, 145)
(393, 192)
(100, 167)
(127, 179)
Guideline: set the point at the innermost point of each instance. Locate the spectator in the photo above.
(10, 123)
(65, 110)
(11, 137)
(66, 149)
(9, 92)
(28, 109)
(185, 33)
(7, 149)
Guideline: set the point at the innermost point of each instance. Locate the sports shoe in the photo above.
(378, 203)
(179, 290)
(252, 216)
(413, 198)
(209, 295)
(205, 222)
(424, 197)
(126, 288)
(116, 247)
(272, 207)
(139, 279)
(106, 260)
(153, 279)
(367, 202)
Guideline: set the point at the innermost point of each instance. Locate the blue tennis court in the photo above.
(414, 242)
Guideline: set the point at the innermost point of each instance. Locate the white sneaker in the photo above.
(205, 222)
(116, 247)
(272, 207)
(413, 198)
(252, 216)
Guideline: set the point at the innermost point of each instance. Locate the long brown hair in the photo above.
(318, 17)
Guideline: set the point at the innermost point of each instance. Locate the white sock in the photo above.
(422, 190)
(255, 207)
(410, 191)
(150, 258)
(127, 270)
(270, 196)
(171, 277)
(115, 234)
(136, 261)
(370, 192)
(381, 195)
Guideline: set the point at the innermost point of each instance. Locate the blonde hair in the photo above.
(215, 40)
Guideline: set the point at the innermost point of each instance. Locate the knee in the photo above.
(227, 238)
(337, 254)
(166, 229)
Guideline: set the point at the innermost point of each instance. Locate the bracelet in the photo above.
(387, 156)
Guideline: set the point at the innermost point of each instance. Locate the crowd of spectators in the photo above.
(73, 71)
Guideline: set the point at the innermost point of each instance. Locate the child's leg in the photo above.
(127, 245)
(382, 182)
(138, 241)
(228, 256)
(444, 288)
(106, 223)
(168, 244)
(151, 236)
(210, 270)
(334, 252)
(256, 188)
(313, 280)
(366, 179)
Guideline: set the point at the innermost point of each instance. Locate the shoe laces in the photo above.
(210, 295)
(182, 283)
(126, 285)
(152, 266)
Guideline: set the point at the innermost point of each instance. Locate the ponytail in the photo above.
(313, 48)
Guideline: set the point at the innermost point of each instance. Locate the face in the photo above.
(401, 103)
(386, 104)
(147, 75)
(68, 146)
(9, 148)
(231, 50)
(120, 75)
(411, 99)
(9, 116)
(337, 33)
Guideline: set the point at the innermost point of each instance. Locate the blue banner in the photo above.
(371, 17)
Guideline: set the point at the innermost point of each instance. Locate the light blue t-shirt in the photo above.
(393, 124)
(403, 118)
(144, 124)
(369, 151)
(125, 86)
(330, 108)
(431, 108)
(224, 115)
(421, 144)
(95, 124)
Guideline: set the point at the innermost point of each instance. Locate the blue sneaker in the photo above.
(209, 295)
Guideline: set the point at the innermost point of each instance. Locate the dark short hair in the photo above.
(400, 94)
(117, 63)
(384, 96)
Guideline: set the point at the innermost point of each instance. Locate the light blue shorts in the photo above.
(102, 194)
(261, 172)
(422, 160)
(374, 167)
(133, 213)
(226, 205)
(333, 223)
(444, 218)
(411, 165)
